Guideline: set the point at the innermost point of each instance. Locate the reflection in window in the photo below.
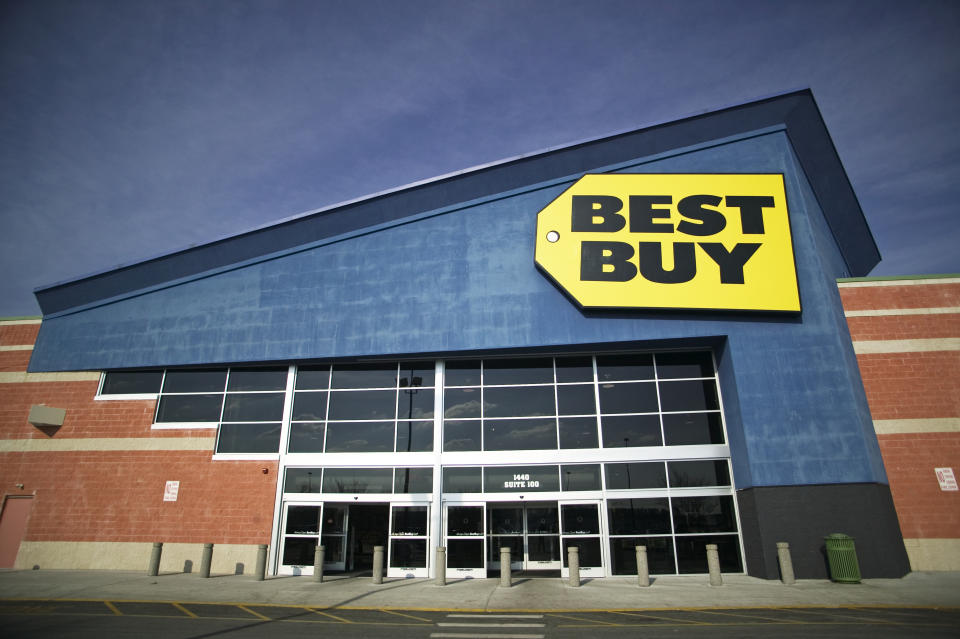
(580, 476)
(704, 472)
(249, 438)
(364, 376)
(414, 437)
(306, 437)
(687, 429)
(360, 437)
(639, 516)
(624, 367)
(689, 395)
(631, 430)
(195, 381)
(683, 364)
(578, 432)
(638, 397)
(357, 480)
(518, 371)
(636, 475)
(519, 434)
(462, 480)
(131, 382)
(704, 514)
(461, 435)
(189, 408)
(376, 404)
(413, 480)
(518, 401)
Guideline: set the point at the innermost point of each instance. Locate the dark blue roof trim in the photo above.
(797, 111)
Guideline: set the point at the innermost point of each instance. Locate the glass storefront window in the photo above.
(624, 431)
(635, 475)
(131, 382)
(520, 479)
(705, 472)
(580, 477)
(358, 480)
(413, 480)
(519, 434)
(463, 480)
(688, 429)
(464, 521)
(639, 516)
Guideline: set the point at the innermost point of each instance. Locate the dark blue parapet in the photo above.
(446, 268)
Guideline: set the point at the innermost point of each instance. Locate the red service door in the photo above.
(13, 524)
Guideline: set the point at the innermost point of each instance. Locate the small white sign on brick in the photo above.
(946, 478)
(171, 490)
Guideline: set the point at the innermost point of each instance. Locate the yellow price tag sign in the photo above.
(690, 241)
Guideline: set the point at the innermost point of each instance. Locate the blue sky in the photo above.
(131, 128)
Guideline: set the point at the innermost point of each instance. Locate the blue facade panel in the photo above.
(463, 280)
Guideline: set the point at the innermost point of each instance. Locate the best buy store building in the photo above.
(631, 340)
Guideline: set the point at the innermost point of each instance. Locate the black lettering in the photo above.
(642, 214)
(730, 263)
(684, 263)
(751, 211)
(588, 207)
(595, 255)
(692, 207)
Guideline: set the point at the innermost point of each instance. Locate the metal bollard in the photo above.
(378, 564)
(206, 560)
(713, 565)
(506, 578)
(441, 566)
(154, 569)
(318, 563)
(573, 561)
(261, 562)
(786, 563)
(643, 567)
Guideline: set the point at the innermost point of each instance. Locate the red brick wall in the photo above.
(924, 510)
(117, 496)
(18, 334)
(904, 326)
(892, 295)
(913, 385)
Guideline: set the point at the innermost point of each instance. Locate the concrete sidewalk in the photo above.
(916, 589)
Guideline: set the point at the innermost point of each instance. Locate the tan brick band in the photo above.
(17, 347)
(932, 425)
(868, 347)
(933, 554)
(20, 378)
(103, 555)
(929, 281)
(18, 322)
(106, 444)
(941, 310)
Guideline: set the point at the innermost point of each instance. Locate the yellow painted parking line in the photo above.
(183, 610)
(744, 615)
(113, 608)
(831, 613)
(400, 614)
(671, 619)
(327, 614)
(589, 621)
(254, 613)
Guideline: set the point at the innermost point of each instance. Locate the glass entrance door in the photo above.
(334, 536)
(580, 527)
(463, 530)
(530, 530)
(408, 540)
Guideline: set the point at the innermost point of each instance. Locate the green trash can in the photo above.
(842, 558)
